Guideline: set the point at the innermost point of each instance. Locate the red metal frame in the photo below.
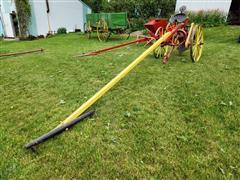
(113, 47)
(154, 24)
(156, 28)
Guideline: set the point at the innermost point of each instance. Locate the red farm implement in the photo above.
(163, 36)
(184, 37)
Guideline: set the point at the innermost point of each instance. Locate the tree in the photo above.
(144, 9)
(139, 11)
(96, 5)
(135, 8)
(24, 16)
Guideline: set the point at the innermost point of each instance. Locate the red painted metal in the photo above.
(21, 53)
(113, 47)
(156, 28)
(154, 24)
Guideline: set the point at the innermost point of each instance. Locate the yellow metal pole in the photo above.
(189, 36)
(115, 80)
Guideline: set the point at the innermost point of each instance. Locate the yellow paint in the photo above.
(198, 43)
(115, 80)
(187, 42)
(102, 29)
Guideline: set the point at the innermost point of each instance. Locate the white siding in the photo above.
(39, 9)
(7, 6)
(7, 23)
(63, 13)
(196, 5)
(89, 11)
(68, 14)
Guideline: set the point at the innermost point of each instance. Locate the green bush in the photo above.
(208, 18)
(137, 24)
(138, 11)
(142, 9)
(62, 30)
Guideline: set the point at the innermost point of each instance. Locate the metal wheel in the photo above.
(124, 33)
(128, 33)
(87, 29)
(128, 30)
(167, 54)
(159, 32)
(160, 52)
(170, 27)
(102, 30)
(179, 40)
(197, 41)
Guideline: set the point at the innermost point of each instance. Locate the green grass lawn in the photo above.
(179, 120)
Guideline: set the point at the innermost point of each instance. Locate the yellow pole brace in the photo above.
(115, 80)
(187, 42)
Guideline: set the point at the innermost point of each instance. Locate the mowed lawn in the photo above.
(178, 120)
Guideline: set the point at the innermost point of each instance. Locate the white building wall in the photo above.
(7, 6)
(40, 16)
(68, 14)
(197, 5)
(63, 13)
(89, 11)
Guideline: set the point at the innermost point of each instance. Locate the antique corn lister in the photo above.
(184, 38)
(164, 37)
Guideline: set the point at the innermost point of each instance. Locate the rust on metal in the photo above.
(21, 53)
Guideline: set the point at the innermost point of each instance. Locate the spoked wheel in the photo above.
(168, 53)
(170, 27)
(124, 34)
(128, 33)
(128, 30)
(159, 32)
(164, 52)
(197, 41)
(179, 40)
(160, 52)
(102, 30)
(87, 29)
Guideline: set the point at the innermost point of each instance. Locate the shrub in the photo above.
(141, 9)
(62, 30)
(138, 11)
(208, 18)
(137, 24)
